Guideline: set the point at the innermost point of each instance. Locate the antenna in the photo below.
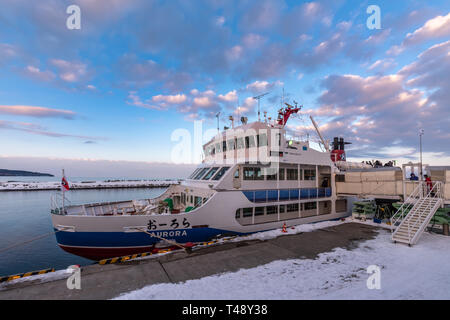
(259, 99)
(217, 116)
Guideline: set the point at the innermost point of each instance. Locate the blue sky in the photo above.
(116, 89)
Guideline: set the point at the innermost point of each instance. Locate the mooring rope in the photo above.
(28, 241)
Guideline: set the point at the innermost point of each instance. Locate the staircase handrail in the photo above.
(435, 192)
(417, 192)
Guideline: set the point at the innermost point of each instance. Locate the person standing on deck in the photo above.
(429, 182)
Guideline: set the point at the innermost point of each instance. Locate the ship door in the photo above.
(237, 179)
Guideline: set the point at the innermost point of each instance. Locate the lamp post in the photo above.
(421, 132)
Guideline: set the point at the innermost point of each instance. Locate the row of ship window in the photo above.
(284, 208)
(214, 173)
(286, 194)
(259, 140)
(256, 173)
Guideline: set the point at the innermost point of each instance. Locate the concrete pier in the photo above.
(109, 281)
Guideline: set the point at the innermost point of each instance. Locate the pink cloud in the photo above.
(37, 112)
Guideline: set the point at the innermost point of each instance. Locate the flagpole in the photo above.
(63, 190)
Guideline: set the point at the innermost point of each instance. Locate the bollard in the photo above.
(445, 229)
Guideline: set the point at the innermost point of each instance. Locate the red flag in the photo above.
(65, 184)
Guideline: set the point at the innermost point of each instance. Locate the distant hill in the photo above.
(16, 173)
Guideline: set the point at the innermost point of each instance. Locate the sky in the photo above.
(114, 92)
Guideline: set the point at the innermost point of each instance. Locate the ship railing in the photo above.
(58, 203)
(434, 192)
(409, 202)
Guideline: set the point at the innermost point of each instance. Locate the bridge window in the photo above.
(262, 140)
(220, 173)
(250, 142)
(238, 213)
(201, 173)
(210, 173)
(240, 143)
(231, 144)
(194, 173)
(218, 148)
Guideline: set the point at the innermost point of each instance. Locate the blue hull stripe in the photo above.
(136, 239)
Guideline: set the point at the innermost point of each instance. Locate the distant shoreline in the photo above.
(22, 173)
(89, 185)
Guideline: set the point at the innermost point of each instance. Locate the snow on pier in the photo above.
(108, 184)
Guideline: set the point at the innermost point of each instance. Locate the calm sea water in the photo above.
(26, 214)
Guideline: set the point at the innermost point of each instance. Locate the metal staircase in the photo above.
(411, 219)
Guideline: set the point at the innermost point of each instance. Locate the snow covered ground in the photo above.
(418, 272)
(56, 185)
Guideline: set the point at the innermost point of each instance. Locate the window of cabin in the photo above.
(238, 213)
(259, 211)
(310, 174)
(253, 174)
(292, 207)
(271, 174)
(292, 174)
(198, 201)
(224, 146)
(271, 210)
(236, 174)
(249, 173)
(247, 212)
(310, 205)
(282, 208)
(281, 174)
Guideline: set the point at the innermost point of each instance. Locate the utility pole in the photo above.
(259, 99)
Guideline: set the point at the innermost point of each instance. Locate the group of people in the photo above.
(428, 181)
(379, 164)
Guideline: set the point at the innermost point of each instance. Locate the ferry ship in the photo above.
(252, 178)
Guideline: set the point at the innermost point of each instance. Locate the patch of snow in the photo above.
(418, 272)
(51, 276)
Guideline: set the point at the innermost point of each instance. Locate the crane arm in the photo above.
(327, 147)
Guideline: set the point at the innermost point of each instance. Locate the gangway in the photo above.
(411, 219)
